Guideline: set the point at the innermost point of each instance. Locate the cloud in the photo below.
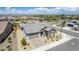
(70, 9)
(57, 10)
(41, 10)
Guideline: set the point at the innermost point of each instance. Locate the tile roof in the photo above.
(3, 25)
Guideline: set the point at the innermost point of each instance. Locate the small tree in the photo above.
(62, 25)
(15, 25)
(23, 42)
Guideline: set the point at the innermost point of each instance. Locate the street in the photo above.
(68, 32)
(72, 45)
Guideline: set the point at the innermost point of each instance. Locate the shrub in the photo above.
(25, 48)
(2, 50)
(9, 39)
(23, 42)
(8, 46)
(45, 41)
(9, 49)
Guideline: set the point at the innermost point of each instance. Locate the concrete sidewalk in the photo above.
(48, 46)
(69, 29)
(66, 28)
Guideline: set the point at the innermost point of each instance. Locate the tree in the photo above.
(62, 25)
(23, 42)
(63, 16)
(15, 26)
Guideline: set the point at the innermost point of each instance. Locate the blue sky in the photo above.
(39, 10)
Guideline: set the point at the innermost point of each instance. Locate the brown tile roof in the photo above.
(3, 25)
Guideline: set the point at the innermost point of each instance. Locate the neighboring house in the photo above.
(60, 21)
(5, 29)
(13, 18)
(73, 24)
(36, 30)
(2, 18)
(24, 17)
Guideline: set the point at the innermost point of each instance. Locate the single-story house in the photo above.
(5, 29)
(2, 18)
(36, 30)
(73, 24)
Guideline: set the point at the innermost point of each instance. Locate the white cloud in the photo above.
(44, 10)
(41, 10)
(70, 9)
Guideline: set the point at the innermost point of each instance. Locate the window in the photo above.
(70, 25)
(74, 22)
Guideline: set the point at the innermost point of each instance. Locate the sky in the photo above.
(39, 10)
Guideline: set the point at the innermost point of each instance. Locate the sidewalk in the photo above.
(70, 29)
(66, 28)
(48, 46)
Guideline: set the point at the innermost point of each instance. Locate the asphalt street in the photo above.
(75, 34)
(72, 45)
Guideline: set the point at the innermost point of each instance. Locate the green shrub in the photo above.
(25, 48)
(9, 39)
(9, 49)
(23, 42)
(8, 46)
(2, 50)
